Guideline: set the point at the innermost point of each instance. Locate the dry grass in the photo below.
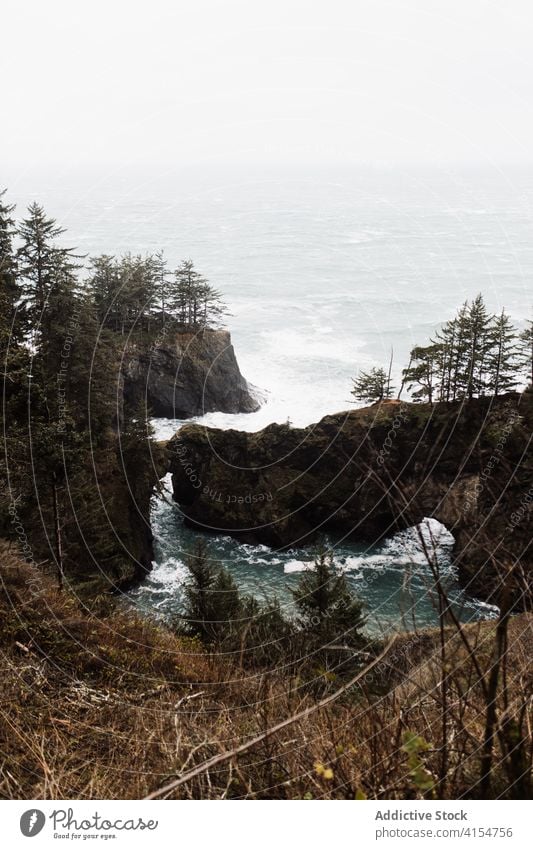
(110, 706)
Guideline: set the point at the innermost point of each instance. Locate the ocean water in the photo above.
(393, 579)
(325, 272)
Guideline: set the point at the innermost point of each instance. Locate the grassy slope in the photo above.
(97, 703)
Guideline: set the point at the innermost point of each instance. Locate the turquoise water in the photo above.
(394, 578)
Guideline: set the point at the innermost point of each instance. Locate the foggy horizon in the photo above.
(378, 84)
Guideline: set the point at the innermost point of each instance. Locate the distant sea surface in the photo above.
(324, 271)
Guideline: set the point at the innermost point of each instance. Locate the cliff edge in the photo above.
(187, 374)
(367, 473)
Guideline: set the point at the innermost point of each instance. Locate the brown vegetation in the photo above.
(97, 703)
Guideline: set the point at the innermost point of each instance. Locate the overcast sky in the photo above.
(265, 81)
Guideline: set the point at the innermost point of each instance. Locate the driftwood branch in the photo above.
(244, 747)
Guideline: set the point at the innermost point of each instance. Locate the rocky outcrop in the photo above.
(367, 473)
(188, 374)
(184, 375)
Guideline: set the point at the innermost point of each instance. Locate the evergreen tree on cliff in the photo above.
(473, 354)
(503, 355)
(138, 291)
(526, 347)
(192, 301)
(9, 289)
(57, 453)
(13, 359)
(449, 344)
(372, 386)
(124, 291)
(11, 316)
(41, 260)
(424, 372)
(104, 288)
(51, 288)
(477, 324)
(161, 285)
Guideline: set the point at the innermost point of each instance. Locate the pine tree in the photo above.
(446, 342)
(124, 291)
(226, 607)
(59, 320)
(211, 306)
(138, 290)
(502, 356)
(264, 637)
(526, 348)
(192, 301)
(40, 259)
(471, 355)
(104, 288)
(13, 359)
(135, 292)
(12, 319)
(185, 294)
(54, 424)
(9, 289)
(478, 345)
(161, 285)
(94, 376)
(197, 591)
(423, 372)
(50, 291)
(212, 601)
(327, 610)
(459, 355)
(373, 385)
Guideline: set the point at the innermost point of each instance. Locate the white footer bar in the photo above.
(274, 824)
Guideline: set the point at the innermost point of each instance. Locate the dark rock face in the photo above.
(188, 375)
(367, 473)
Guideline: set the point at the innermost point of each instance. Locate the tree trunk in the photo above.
(58, 537)
(390, 371)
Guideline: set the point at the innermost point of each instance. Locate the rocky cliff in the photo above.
(367, 473)
(186, 375)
